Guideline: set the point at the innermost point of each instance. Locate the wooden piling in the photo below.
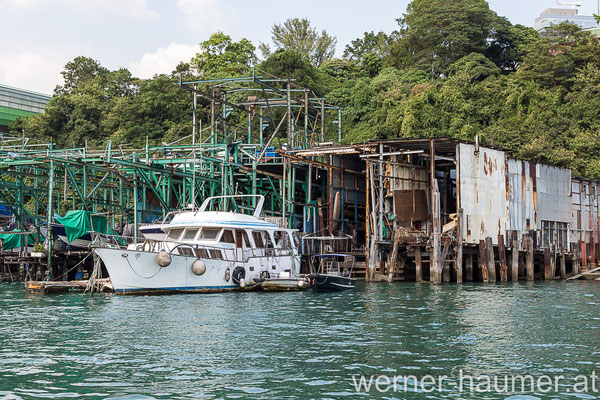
(469, 268)
(436, 264)
(491, 262)
(576, 261)
(515, 257)
(563, 266)
(458, 260)
(445, 266)
(418, 264)
(553, 259)
(392, 264)
(483, 261)
(502, 259)
(583, 248)
(529, 258)
(547, 264)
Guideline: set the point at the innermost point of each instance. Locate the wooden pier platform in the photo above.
(50, 287)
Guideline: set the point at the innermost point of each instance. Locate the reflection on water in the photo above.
(294, 345)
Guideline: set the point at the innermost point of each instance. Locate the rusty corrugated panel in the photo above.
(482, 179)
(519, 196)
(553, 197)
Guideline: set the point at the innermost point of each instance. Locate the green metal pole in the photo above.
(249, 128)
(49, 215)
(339, 125)
(260, 126)
(135, 207)
(254, 182)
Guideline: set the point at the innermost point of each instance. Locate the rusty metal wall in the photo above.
(499, 194)
(522, 208)
(553, 194)
(584, 211)
(483, 197)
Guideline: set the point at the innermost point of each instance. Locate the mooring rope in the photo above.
(76, 265)
(135, 272)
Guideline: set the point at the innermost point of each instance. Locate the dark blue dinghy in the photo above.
(331, 272)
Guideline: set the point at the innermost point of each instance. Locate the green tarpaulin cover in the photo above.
(13, 240)
(78, 223)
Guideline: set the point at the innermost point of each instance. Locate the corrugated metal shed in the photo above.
(482, 180)
(500, 194)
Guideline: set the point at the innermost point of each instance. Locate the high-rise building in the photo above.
(555, 16)
(16, 103)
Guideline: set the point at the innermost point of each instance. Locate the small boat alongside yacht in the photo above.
(206, 251)
(155, 231)
(332, 272)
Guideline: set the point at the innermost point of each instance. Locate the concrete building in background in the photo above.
(595, 31)
(16, 103)
(555, 16)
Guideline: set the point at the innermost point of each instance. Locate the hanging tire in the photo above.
(238, 274)
(265, 275)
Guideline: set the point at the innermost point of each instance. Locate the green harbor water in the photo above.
(298, 345)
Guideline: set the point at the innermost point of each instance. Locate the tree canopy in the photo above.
(297, 35)
(220, 54)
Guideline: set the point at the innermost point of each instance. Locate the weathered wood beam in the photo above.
(491, 262)
(502, 259)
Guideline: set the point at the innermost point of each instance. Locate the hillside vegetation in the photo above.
(452, 69)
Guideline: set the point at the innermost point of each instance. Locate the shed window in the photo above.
(554, 233)
(175, 233)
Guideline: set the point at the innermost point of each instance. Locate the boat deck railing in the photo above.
(190, 249)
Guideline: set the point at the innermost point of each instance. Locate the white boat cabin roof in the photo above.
(223, 219)
(220, 219)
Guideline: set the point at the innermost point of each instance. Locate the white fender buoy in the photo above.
(242, 283)
(163, 259)
(227, 275)
(198, 267)
(302, 284)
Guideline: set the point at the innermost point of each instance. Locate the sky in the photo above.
(38, 37)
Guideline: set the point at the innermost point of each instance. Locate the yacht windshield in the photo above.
(209, 234)
(190, 234)
(175, 233)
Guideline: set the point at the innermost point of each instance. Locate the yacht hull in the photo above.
(137, 272)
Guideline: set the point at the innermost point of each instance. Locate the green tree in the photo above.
(509, 44)
(371, 43)
(296, 34)
(555, 59)
(291, 64)
(78, 72)
(220, 54)
(436, 33)
(474, 67)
